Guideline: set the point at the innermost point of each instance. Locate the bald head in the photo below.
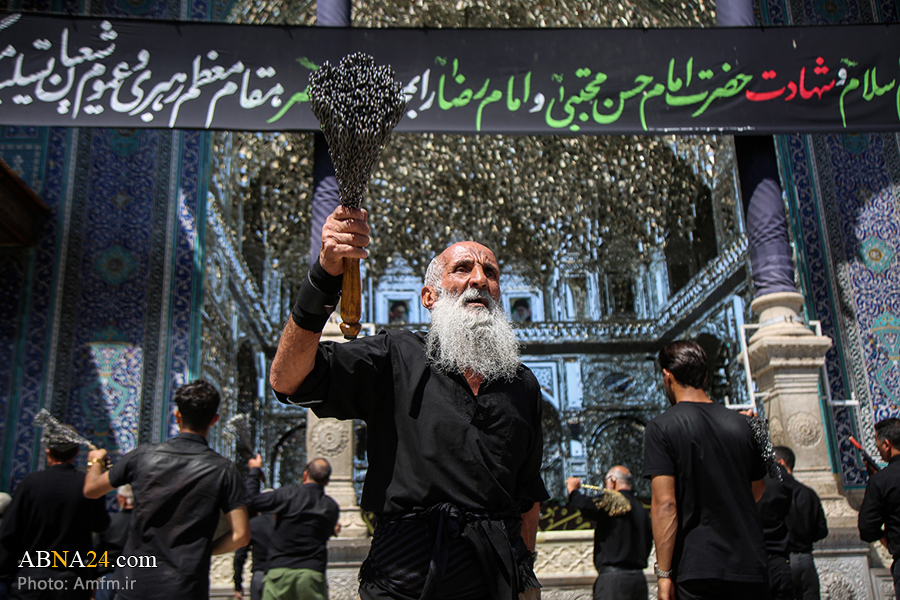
(461, 266)
(318, 471)
(618, 478)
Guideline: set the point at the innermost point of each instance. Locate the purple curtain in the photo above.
(771, 259)
(329, 13)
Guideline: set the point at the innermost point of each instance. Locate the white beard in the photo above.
(463, 338)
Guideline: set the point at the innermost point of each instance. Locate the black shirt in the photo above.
(49, 512)
(261, 529)
(180, 487)
(305, 519)
(622, 541)
(774, 508)
(430, 440)
(806, 522)
(710, 450)
(113, 540)
(879, 515)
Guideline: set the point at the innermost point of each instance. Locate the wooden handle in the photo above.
(351, 299)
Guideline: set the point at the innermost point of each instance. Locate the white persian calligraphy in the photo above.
(83, 81)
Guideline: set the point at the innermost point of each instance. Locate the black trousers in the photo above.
(895, 573)
(257, 585)
(370, 591)
(781, 585)
(718, 589)
(620, 584)
(804, 575)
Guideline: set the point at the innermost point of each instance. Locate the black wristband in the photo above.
(318, 296)
(323, 280)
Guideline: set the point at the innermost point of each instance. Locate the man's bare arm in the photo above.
(96, 480)
(664, 518)
(294, 359)
(238, 537)
(530, 526)
(344, 235)
(529, 534)
(759, 488)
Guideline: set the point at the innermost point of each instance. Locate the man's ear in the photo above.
(215, 420)
(429, 297)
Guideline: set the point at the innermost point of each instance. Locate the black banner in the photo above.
(90, 72)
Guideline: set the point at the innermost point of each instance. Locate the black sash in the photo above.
(415, 547)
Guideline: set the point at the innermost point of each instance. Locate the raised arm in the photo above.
(238, 536)
(344, 235)
(871, 514)
(96, 480)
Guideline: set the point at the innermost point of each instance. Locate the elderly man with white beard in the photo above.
(453, 423)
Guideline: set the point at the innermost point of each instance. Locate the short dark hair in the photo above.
(63, 455)
(686, 361)
(198, 403)
(319, 470)
(889, 429)
(787, 455)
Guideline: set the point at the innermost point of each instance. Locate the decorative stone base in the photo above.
(844, 573)
(566, 570)
(565, 557)
(345, 556)
(343, 583)
(882, 584)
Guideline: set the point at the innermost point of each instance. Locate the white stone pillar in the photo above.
(785, 358)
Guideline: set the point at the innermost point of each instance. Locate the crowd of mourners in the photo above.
(455, 450)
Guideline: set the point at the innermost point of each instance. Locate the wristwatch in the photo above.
(660, 574)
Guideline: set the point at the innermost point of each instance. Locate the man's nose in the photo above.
(477, 278)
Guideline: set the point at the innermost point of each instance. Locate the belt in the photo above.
(486, 533)
(615, 569)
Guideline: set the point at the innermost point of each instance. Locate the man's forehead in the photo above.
(464, 251)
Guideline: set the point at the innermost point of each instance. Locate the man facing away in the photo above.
(113, 540)
(622, 537)
(262, 527)
(806, 525)
(305, 517)
(453, 419)
(181, 487)
(48, 513)
(774, 510)
(706, 475)
(879, 514)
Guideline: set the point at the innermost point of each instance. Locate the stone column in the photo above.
(785, 358)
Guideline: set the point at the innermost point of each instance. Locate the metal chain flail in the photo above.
(237, 430)
(358, 104)
(760, 428)
(56, 432)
